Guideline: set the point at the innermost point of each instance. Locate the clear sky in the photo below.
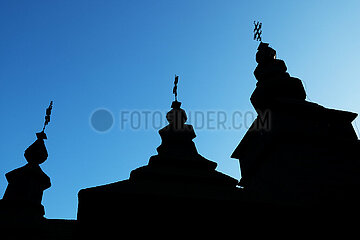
(122, 56)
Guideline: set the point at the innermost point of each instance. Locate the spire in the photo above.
(36, 153)
(23, 195)
(177, 139)
(176, 116)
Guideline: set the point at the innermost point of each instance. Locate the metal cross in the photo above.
(257, 31)
(175, 86)
(47, 117)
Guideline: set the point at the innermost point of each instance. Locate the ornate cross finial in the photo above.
(175, 86)
(257, 31)
(47, 117)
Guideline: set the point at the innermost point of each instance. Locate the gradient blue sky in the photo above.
(122, 56)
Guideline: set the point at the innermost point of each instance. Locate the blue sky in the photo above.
(122, 56)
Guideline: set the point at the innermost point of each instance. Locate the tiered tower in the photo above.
(23, 195)
(177, 188)
(296, 152)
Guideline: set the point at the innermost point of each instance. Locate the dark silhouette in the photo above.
(299, 164)
(26, 184)
(257, 31)
(177, 188)
(175, 86)
(47, 116)
(274, 82)
(306, 155)
(23, 195)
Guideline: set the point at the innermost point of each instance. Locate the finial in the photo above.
(257, 31)
(175, 86)
(175, 104)
(47, 116)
